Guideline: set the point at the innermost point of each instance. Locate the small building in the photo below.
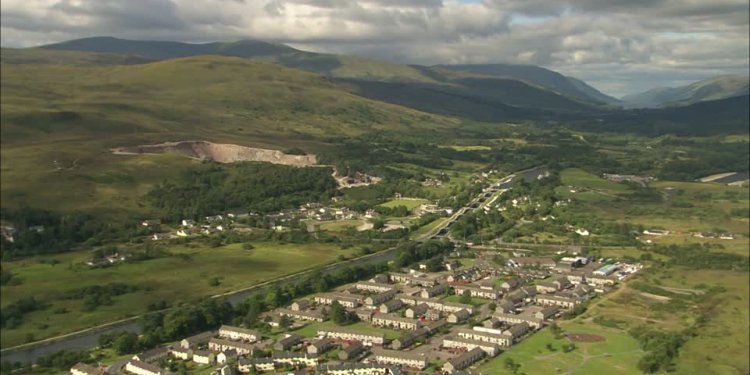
(381, 297)
(469, 344)
(309, 315)
(463, 361)
(354, 369)
(299, 305)
(137, 367)
(81, 368)
(346, 300)
(239, 333)
(489, 337)
(181, 353)
(517, 330)
(152, 354)
(349, 334)
(547, 312)
(351, 351)
(287, 342)
(532, 262)
(319, 347)
(226, 356)
(220, 345)
(395, 321)
(375, 287)
(417, 311)
(396, 357)
(204, 357)
(519, 318)
(293, 359)
(433, 291)
(195, 340)
(247, 365)
(458, 316)
(391, 306)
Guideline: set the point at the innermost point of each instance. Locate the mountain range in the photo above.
(529, 86)
(487, 92)
(716, 88)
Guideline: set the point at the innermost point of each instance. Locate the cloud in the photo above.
(620, 46)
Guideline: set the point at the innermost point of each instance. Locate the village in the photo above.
(413, 321)
(311, 216)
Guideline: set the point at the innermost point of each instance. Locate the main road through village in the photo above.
(89, 337)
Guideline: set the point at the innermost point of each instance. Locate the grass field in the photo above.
(339, 225)
(182, 277)
(579, 177)
(618, 354)
(311, 330)
(410, 204)
(474, 301)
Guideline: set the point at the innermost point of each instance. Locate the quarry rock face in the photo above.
(219, 152)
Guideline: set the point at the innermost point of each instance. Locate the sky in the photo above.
(617, 46)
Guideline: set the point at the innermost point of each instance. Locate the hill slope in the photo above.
(721, 87)
(554, 81)
(447, 82)
(59, 122)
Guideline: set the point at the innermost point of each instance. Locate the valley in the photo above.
(149, 181)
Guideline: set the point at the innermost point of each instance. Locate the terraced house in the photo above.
(347, 334)
(239, 333)
(469, 344)
(309, 315)
(220, 345)
(396, 357)
(490, 337)
(477, 292)
(346, 300)
(395, 321)
(463, 361)
(373, 286)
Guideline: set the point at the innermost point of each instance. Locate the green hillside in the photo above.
(717, 88)
(554, 92)
(59, 121)
(535, 75)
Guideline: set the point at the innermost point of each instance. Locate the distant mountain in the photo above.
(723, 116)
(451, 88)
(721, 87)
(539, 76)
(164, 50)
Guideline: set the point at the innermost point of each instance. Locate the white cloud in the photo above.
(619, 46)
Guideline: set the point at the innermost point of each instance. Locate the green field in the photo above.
(181, 277)
(339, 225)
(474, 301)
(311, 330)
(410, 204)
(618, 354)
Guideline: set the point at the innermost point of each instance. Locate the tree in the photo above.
(285, 322)
(556, 330)
(126, 343)
(338, 313)
(465, 297)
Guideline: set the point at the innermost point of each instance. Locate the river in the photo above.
(89, 338)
